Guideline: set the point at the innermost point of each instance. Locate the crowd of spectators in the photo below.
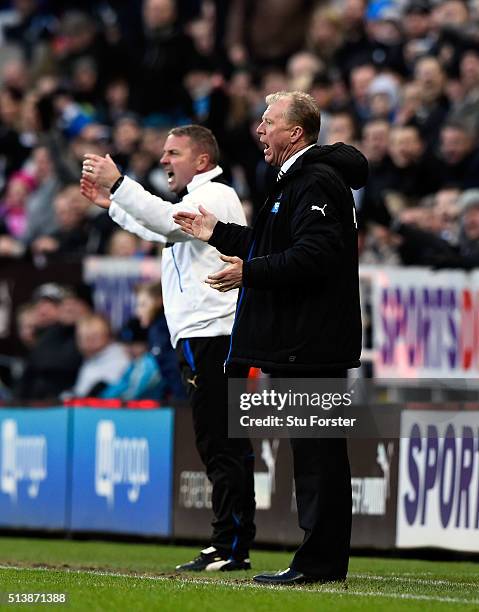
(72, 352)
(399, 79)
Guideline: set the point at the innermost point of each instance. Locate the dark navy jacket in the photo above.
(299, 307)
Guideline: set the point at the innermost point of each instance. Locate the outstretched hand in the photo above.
(97, 195)
(230, 277)
(199, 226)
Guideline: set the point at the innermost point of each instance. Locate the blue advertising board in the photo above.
(122, 469)
(33, 467)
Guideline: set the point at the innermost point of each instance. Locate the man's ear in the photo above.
(202, 162)
(297, 133)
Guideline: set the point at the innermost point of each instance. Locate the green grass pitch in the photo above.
(124, 576)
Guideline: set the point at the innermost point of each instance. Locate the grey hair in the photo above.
(303, 110)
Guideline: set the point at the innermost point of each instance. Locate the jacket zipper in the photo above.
(176, 266)
(237, 311)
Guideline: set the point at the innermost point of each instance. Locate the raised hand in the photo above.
(199, 226)
(100, 170)
(97, 195)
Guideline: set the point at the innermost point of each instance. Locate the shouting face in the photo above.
(181, 161)
(274, 133)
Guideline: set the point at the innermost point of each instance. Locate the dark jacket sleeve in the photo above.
(231, 239)
(317, 243)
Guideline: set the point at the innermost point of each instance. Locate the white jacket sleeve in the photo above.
(150, 211)
(128, 223)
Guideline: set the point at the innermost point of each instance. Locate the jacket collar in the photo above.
(290, 161)
(297, 163)
(204, 177)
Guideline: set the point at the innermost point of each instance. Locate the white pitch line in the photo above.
(425, 581)
(250, 585)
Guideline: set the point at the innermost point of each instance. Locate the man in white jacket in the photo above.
(199, 319)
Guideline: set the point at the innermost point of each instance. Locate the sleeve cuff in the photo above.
(121, 189)
(217, 234)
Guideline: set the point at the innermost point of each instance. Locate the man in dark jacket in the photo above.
(298, 312)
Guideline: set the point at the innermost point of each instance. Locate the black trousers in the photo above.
(229, 463)
(322, 480)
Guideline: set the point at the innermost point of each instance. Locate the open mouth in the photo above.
(171, 175)
(266, 149)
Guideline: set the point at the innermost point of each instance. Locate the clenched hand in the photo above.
(101, 171)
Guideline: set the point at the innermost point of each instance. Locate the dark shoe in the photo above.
(213, 560)
(234, 565)
(291, 577)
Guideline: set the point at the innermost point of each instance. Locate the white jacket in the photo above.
(192, 308)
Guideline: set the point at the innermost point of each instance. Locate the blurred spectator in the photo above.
(469, 237)
(301, 69)
(104, 360)
(356, 48)
(410, 103)
(82, 44)
(126, 138)
(453, 32)
(375, 141)
(142, 379)
(40, 211)
(13, 211)
(385, 36)
(165, 56)
(116, 102)
(380, 247)
(76, 303)
(272, 79)
(53, 361)
(12, 151)
(209, 99)
(466, 109)
(123, 244)
(77, 233)
(342, 128)
(460, 154)
(361, 78)
(325, 33)
(384, 97)
(434, 106)
(47, 299)
(15, 75)
(26, 324)
(266, 32)
(323, 92)
(417, 26)
(442, 234)
(446, 212)
(202, 33)
(149, 310)
(413, 173)
(85, 84)
(375, 146)
(31, 26)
